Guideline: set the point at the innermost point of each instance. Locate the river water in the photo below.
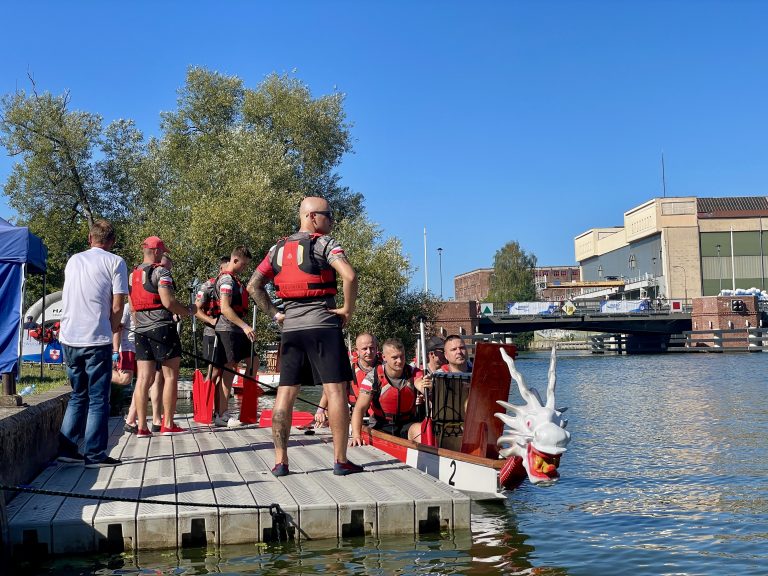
(667, 473)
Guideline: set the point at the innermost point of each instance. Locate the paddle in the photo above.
(203, 408)
(427, 433)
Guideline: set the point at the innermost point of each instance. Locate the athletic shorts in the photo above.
(399, 430)
(314, 356)
(127, 362)
(208, 347)
(158, 344)
(232, 347)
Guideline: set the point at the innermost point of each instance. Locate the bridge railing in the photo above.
(590, 308)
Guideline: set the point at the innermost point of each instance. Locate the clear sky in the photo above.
(483, 121)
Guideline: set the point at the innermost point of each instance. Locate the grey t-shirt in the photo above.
(147, 320)
(225, 285)
(311, 313)
(202, 298)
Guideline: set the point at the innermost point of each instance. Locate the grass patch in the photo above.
(52, 378)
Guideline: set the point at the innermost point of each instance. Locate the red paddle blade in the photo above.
(427, 433)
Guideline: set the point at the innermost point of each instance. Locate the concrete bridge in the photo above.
(638, 323)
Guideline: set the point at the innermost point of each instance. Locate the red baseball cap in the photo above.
(154, 242)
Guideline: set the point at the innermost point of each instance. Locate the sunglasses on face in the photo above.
(327, 213)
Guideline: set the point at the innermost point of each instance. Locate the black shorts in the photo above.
(208, 347)
(159, 344)
(314, 356)
(231, 347)
(399, 430)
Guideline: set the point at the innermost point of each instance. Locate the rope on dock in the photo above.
(32, 490)
(279, 517)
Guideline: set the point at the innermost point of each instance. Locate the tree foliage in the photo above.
(229, 167)
(513, 275)
(513, 280)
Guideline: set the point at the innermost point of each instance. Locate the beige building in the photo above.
(679, 248)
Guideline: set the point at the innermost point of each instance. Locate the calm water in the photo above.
(667, 474)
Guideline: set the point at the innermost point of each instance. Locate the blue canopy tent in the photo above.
(21, 252)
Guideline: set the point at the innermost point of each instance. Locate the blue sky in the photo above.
(483, 121)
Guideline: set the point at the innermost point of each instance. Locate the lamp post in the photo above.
(719, 268)
(655, 280)
(599, 271)
(440, 260)
(685, 282)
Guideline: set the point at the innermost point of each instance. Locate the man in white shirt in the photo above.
(95, 285)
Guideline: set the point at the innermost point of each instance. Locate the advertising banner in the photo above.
(624, 306)
(532, 308)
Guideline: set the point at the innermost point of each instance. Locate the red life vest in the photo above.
(354, 386)
(447, 367)
(395, 405)
(210, 304)
(238, 300)
(143, 294)
(298, 273)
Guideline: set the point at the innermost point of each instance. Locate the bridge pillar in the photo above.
(647, 343)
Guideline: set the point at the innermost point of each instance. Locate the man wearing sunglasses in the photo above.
(303, 269)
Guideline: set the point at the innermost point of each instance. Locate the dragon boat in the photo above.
(474, 451)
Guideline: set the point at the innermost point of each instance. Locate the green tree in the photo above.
(229, 167)
(513, 280)
(71, 171)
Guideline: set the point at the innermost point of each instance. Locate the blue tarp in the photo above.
(18, 246)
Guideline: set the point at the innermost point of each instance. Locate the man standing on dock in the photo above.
(153, 299)
(95, 285)
(303, 268)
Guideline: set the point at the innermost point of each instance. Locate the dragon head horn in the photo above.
(530, 398)
(552, 379)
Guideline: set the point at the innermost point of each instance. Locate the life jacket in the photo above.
(447, 367)
(238, 300)
(298, 273)
(353, 392)
(209, 303)
(395, 405)
(143, 294)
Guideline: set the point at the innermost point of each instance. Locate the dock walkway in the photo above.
(225, 466)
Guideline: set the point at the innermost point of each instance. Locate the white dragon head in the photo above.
(536, 436)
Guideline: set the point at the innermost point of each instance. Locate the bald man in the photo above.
(303, 269)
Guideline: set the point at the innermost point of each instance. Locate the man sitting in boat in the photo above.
(435, 354)
(365, 357)
(456, 355)
(388, 393)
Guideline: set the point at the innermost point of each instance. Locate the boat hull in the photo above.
(475, 476)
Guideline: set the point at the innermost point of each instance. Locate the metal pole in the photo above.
(733, 265)
(440, 259)
(42, 328)
(426, 275)
(719, 268)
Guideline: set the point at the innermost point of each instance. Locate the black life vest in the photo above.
(298, 274)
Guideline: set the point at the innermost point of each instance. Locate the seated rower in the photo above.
(388, 393)
(365, 357)
(455, 355)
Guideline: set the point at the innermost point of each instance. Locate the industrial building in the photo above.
(678, 249)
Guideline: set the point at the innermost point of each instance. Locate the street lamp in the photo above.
(685, 282)
(440, 259)
(600, 271)
(719, 268)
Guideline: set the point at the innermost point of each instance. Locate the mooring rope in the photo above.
(279, 517)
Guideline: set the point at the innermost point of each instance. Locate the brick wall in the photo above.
(714, 313)
(456, 318)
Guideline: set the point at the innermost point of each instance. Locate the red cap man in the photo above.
(154, 242)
